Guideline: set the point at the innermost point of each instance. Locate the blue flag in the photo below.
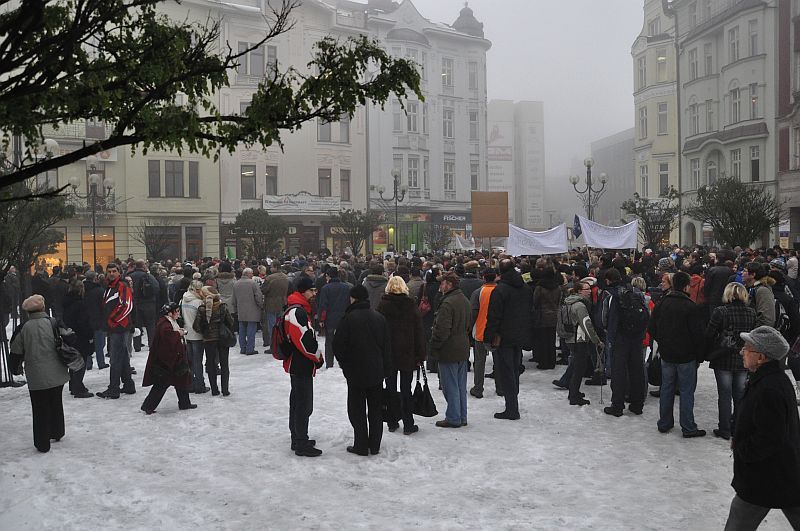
(576, 227)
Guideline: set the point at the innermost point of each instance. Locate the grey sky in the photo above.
(574, 55)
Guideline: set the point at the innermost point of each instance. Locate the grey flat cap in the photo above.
(767, 341)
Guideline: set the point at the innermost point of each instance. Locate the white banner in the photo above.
(525, 242)
(605, 237)
(300, 203)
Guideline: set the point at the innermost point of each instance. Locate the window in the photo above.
(695, 166)
(426, 181)
(412, 110)
(344, 185)
(447, 123)
(397, 117)
(243, 106)
(755, 163)
(173, 178)
(474, 173)
(194, 242)
(411, 54)
(257, 62)
(47, 180)
(694, 121)
(662, 118)
(708, 57)
(425, 118)
(272, 180)
(642, 68)
(272, 59)
(95, 128)
(323, 130)
(397, 163)
(423, 61)
(736, 106)
(736, 163)
(447, 72)
(654, 27)
(733, 44)
(642, 122)
(663, 178)
(710, 123)
(754, 110)
(413, 172)
(692, 14)
(643, 179)
(324, 178)
(242, 67)
(711, 172)
(248, 172)
(693, 63)
(753, 27)
(449, 175)
(344, 129)
(154, 178)
(105, 245)
(472, 68)
(194, 178)
(473, 125)
(661, 64)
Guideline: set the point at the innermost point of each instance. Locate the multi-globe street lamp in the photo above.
(94, 196)
(586, 194)
(399, 194)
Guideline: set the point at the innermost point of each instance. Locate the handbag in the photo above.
(68, 355)
(391, 409)
(424, 305)
(226, 336)
(654, 368)
(424, 406)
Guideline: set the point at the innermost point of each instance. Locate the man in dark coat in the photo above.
(675, 325)
(470, 281)
(716, 279)
(766, 443)
(93, 298)
(508, 328)
(145, 300)
(362, 346)
(332, 303)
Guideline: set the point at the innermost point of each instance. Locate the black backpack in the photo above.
(633, 313)
(282, 347)
(144, 288)
(565, 327)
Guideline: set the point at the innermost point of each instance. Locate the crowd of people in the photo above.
(596, 314)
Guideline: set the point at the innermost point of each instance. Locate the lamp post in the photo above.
(589, 201)
(399, 194)
(93, 196)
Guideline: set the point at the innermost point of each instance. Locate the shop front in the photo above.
(413, 226)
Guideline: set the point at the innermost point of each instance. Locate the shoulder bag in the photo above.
(68, 355)
(424, 406)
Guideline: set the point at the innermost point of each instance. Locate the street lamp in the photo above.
(93, 196)
(399, 194)
(586, 194)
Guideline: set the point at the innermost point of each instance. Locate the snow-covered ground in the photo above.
(227, 464)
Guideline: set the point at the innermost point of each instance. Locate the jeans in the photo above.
(247, 336)
(684, 375)
(479, 369)
(194, 349)
(329, 333)
(506, 372)
(730, 385)
(745, 516)
(453, 376)
(217, 353)
(301, 405)
(270, 322)
(120, 361)
(365, 404)
(99, 348)
(627, 374)
(48, 416)
(156, 393)
(406, 397)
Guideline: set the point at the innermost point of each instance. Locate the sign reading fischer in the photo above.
(301, 202)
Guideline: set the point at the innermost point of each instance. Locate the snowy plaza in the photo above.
(227, 464)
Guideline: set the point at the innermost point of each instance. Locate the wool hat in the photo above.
(34, 303)
(359, 292)
(304, 284)
(665, 263)
(778, 264)
(767, 341)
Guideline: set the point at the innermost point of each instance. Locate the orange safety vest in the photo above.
(483, 311)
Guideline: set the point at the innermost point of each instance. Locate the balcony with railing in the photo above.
(79, 130)
(104, 206)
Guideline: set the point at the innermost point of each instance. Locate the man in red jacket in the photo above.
(306, 358)
(117, 309)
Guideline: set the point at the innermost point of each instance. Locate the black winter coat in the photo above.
(677, 329)
(405, 328)
(93, 300)
(362, 346)
(716, 280)
(766, 447)
(510, 312)
(75, 318)
(469, 284)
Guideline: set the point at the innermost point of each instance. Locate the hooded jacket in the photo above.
(763, 301)
(118, 307)
(676, 326)
(225, 282)
(510, 312)
(189, 307)
(362, 346)
(580, 317)
(376, 286)
(305, 359)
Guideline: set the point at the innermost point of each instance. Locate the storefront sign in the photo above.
(459, 219)
(300, 203)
